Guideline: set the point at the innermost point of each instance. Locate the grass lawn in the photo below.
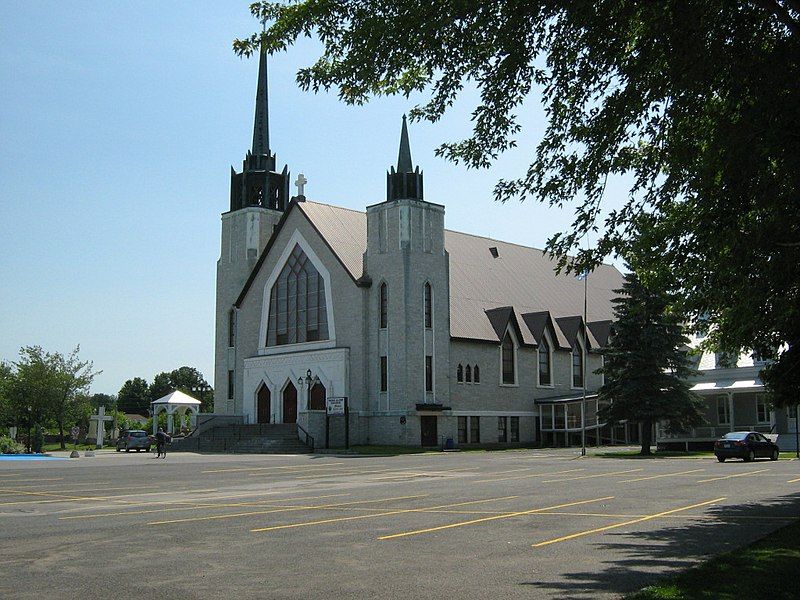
(55, 446)
(767, 568)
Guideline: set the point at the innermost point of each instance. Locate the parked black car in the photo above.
(747, 445)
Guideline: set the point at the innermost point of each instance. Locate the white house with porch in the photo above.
(734, 400)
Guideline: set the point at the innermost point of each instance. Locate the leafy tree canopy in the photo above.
(646, 366)
(134, 397)
(694, 101)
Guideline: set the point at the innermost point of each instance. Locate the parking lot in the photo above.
(520, 524)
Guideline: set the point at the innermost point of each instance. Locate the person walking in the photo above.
(161, 443)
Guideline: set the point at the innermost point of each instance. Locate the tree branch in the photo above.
(781, 13)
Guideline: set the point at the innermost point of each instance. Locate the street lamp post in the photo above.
(30, 416)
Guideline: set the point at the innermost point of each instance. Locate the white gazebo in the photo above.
(176, 403)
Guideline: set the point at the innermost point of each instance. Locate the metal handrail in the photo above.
(308, 436)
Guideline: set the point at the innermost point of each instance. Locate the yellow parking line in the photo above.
(352, 472)
(592, 476)
(660, 476)
(732, 476)
(793, 480)
(492, 518)
(65, 498)
(383, 514)
(532, 475)
(33, 480)
(287, 509)
(195, 507)
(293, 467)
(572, 536)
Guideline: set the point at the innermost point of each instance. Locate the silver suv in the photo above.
(135, 439)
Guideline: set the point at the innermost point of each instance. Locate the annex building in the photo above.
(430, 333)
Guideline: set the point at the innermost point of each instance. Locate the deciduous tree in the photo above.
(134, 396)
(695, 102)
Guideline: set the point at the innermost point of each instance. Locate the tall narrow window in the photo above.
(475, 430)
(502, 433)
(230, 385)
(762, 413)
(515, 428)
(460, 374)
(577, 364)
(723, 412)
(469, 374)
(508, 360)
(544, 363)
(384, 373)
(428, 373)
(476, 374)
(462, 430)
(231, 328)
(384, 306)
(297, 306)
(428, 306)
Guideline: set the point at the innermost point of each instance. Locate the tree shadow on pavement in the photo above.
(628, 560)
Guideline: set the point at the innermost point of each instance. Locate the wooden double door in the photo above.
(290, 403)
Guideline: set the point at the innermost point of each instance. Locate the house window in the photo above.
(544, 363)
(474, 430)
(384, 373)
(514, 429)
(460, 374)
(723, 411)
(469, 374)
(428, 373)
(502, 433)
(577, 365)
(230, 385)
(231, 328)
(762, 411)
(509, 377)
(476, 374)
(428, 306)
(462, 430)
(384, 307)
(297, 310)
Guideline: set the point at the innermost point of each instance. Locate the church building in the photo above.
(431, 334)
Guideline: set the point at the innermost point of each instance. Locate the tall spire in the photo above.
(404, 164)
(261, 122)
(406, 181)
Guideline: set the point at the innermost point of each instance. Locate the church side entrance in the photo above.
(428, 430)
(290, 403)
(263, 401)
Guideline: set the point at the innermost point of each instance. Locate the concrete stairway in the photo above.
(271, 438)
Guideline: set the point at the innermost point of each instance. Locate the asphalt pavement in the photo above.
(512, 524)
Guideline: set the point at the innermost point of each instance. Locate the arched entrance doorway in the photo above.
(263, 404)
(316, 400)
(290, 403)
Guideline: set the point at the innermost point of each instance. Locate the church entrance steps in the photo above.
(262, 438)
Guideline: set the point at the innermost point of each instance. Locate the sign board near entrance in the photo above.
(335, 406)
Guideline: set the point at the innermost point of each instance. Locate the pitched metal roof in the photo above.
(519, 278)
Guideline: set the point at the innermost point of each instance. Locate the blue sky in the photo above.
(118, 126)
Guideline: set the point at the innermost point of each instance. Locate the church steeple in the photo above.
(261, 121)
(259, 184)
(406, 181)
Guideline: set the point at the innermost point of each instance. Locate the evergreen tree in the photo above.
(646, 366)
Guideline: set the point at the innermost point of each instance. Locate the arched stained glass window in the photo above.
(577, 364)
(476, 374)
(460, 374)
(297, 309)
(509, 375)
(469, 374)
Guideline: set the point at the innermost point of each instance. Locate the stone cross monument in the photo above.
(99, 420)
(301, 185)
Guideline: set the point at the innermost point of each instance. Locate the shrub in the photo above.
(9, 446)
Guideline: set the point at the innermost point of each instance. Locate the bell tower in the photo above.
(259, 196)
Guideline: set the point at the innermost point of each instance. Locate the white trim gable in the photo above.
(296, 239)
